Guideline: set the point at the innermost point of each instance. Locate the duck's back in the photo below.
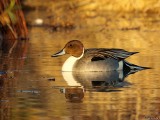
(101, 60)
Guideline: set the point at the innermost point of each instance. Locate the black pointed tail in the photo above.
(131, 66)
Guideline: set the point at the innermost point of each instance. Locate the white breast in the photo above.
(68, 64)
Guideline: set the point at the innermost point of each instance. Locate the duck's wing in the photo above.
(102, 54)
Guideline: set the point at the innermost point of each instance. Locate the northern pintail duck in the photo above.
(95, 59)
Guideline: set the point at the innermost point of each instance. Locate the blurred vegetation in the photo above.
(8, 16)
(115, 14)
(110, 5)
(124, 5)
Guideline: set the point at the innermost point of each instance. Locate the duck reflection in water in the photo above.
(100, 81)
(79, 82)
(73, 94)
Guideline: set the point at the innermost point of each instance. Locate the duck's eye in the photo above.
(70, 45)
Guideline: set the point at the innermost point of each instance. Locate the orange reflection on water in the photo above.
(27, 93)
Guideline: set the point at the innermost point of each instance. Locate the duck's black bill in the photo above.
(62, 52)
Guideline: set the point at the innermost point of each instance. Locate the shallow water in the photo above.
(33, 86)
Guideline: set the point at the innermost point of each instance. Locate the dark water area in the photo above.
(32, 86)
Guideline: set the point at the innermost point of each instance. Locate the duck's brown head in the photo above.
(74, 48)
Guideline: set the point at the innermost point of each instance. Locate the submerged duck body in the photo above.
(95, 59)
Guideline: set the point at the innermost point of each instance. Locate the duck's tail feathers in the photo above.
(131, 66)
